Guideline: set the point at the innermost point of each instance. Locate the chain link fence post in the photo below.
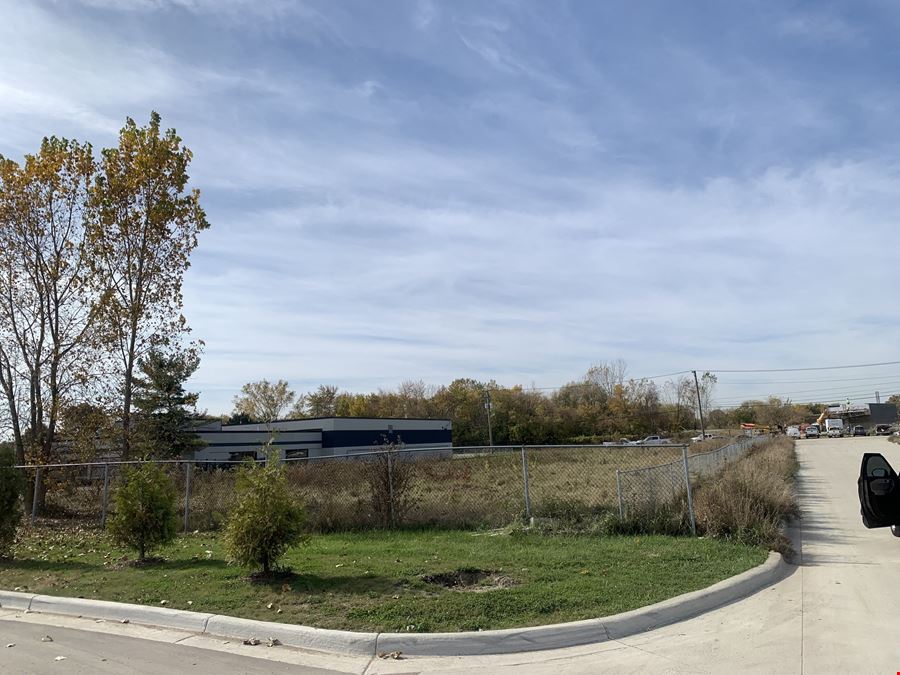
(36, 496)
(105, 496)
(187, 495)
(619, 495)
(527, 486)
(390, 467)
(687, 484)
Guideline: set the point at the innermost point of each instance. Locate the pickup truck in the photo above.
(834, 428)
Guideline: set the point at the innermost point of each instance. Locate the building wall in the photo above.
(321, 437)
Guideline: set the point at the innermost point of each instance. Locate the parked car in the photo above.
(882, 429)
(858, 430)
(879, 493)
(701, 437)
(812, 431)
(653, 440)
(793, 432)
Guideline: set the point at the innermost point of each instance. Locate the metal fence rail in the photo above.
(466, 487)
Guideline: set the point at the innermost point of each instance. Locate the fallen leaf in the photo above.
(273, 642)
(46, 638)
(390, 655)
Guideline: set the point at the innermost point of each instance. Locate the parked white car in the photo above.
(653, 440)
(812, 431)
(793, 432)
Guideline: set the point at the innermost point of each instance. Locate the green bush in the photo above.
(11, 484)
(266, 520)
(146, 513)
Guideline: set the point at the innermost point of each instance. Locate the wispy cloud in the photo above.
(415, 189)
(820, 26)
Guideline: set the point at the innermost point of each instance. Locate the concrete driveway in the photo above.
(836, 613)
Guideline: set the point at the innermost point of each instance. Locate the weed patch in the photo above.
(749, 501)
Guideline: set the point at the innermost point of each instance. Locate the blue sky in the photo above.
(509, 190)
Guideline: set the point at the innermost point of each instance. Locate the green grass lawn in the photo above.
(374, 581)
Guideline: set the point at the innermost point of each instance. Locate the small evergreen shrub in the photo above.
(266, 519)
(11, 484)
(146, 513)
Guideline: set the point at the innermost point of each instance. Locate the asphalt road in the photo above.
(91, 647)
(835, 613)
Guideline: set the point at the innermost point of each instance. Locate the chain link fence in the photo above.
(475, 487)
(663, 491)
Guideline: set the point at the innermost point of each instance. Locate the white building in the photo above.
(319, 437)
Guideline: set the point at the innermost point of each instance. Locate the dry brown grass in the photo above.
(466, 491)
(750, 500)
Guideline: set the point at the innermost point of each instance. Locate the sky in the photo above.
(507, 190)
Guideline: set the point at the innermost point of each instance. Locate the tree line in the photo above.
(603, 405)
(94, 348)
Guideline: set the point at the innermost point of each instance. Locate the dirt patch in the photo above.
(470, 580)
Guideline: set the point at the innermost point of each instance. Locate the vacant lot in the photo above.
(390, 581)
(475, 491)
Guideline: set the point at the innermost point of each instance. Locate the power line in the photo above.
(836, 379)
(797, 370)
(822, 392)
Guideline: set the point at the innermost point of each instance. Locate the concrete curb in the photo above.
(318, 639)
(506, 641)
(13, 600)
(120, 611)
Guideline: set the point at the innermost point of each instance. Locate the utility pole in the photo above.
(487, 406)
(699, 406)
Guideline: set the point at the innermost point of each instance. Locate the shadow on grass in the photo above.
(31, 565)
(187, 564)
(313, 584)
